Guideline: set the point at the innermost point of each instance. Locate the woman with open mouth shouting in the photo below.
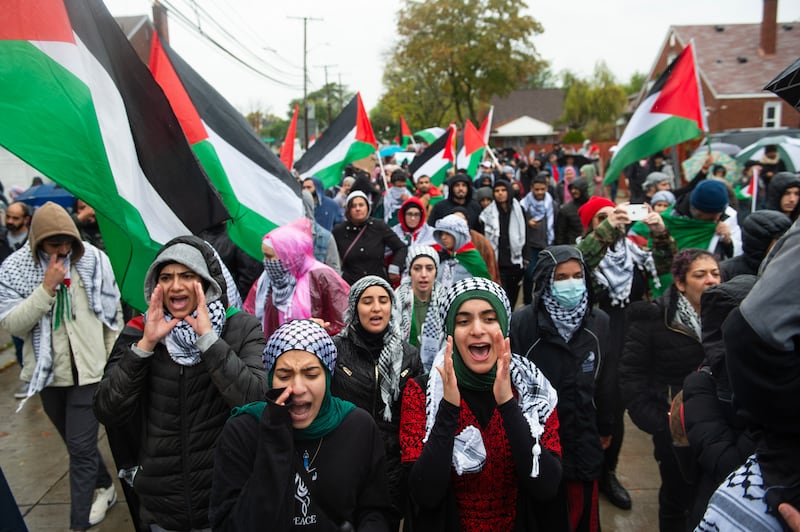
(375, 362)
(302, 459)
(480, 433)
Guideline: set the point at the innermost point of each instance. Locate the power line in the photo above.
(186, 21)
(214, 20)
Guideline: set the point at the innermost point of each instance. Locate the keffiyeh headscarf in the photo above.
(615, 271)
(431, 331)
(20, 275)
(308, 336)
(567, 321)
(688, 317)
(390, 360)
(537, 397)
(181, 340)
(284, 282)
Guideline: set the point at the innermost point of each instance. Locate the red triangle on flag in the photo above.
(473, 141)
(36, 20)
(450, 148)
(173, 88)
(405, 131)
(680, 95)
(364, 131)
(486, 125)
(287, 149)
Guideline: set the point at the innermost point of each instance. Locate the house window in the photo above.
(772, 114)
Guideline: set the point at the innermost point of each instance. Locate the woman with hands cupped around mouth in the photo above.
(171, 380)
(480, 433)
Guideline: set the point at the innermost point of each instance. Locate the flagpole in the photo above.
(700, 95)
(383, 170)
(754, 196)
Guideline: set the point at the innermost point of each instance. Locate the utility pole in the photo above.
(327, 90)
(305, 77)
(341, 92)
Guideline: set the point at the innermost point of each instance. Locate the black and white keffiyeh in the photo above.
(516, 229)
(390, 360)
(181, 340)
(615, 271)
(541, 210)
(275, 282)
(688, 317)
(567, 321)
(303, 335)
(537, 400)
(20, 275)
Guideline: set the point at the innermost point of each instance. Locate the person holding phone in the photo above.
(302, 459)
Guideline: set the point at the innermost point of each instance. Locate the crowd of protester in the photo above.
(412, 356)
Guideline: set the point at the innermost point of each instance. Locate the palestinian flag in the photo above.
(348, 138)
(670, 114)
(436, 160)
(471, 151)
(287, 149)
(77, 104)
(255, 186)
(406, 137)
(430, 135)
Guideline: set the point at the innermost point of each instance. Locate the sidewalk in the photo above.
(35, 462)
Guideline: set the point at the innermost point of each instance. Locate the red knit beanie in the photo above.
(590, 208)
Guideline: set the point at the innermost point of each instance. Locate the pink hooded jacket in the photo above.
(319, 291)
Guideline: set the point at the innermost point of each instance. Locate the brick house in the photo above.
(735, 62)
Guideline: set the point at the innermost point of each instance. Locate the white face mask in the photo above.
(569, 292)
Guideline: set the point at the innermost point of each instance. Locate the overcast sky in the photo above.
(355, 37)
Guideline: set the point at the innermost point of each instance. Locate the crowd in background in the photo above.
(455, 356)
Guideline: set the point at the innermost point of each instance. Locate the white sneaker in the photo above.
(104, 499)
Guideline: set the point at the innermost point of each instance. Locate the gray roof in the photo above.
(545, 105)
(718, 48)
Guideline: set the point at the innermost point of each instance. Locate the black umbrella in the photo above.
(578, 160)
(787, 84)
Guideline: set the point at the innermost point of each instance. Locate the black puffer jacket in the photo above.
(356, 379)
(178, 411)
(658, 354)
(758, 231)
(576, 369)
(717, 436)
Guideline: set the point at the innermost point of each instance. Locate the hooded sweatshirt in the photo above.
(326, 211)
(422, 234)
(446, 206)
(758, 231)
(575, 368)
(776, 188)
(568, 224)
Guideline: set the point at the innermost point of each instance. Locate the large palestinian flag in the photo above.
(670, 114)
(436, 159)
(255, 186)
(348, 138)
(77, 104)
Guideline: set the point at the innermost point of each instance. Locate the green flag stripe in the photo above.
(249, 227)
(45, 92)
(669, 132)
